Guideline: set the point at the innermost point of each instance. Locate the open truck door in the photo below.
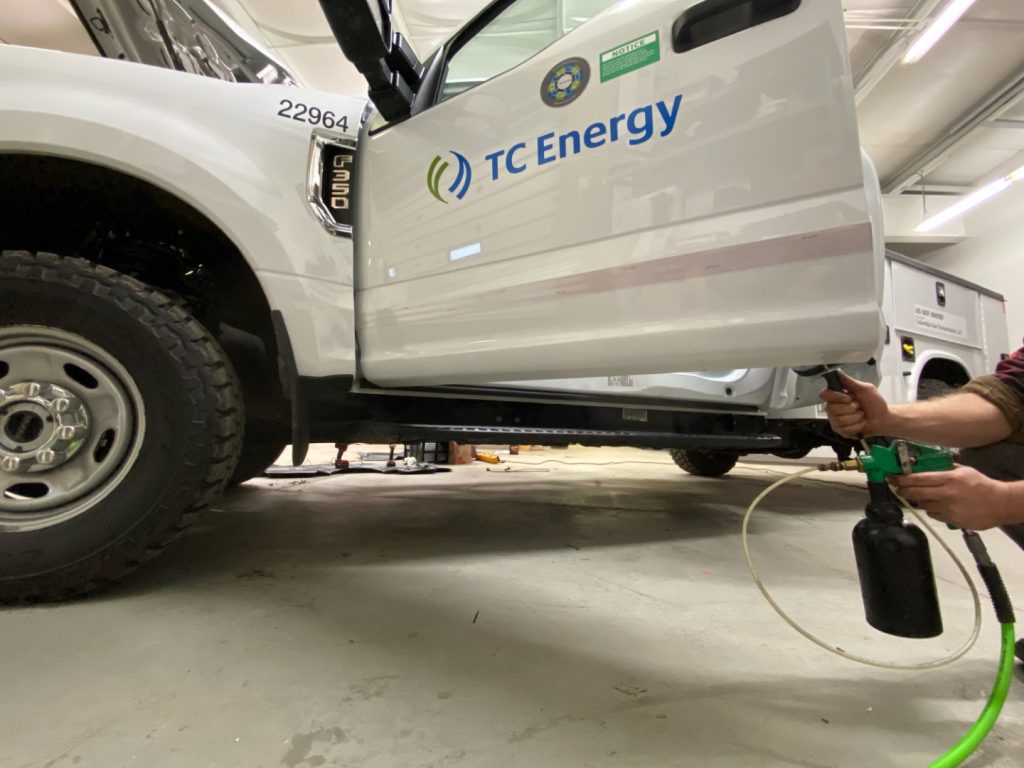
(590, 187)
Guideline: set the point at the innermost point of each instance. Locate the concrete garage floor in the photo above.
(583, 616)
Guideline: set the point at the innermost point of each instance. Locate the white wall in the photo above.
(992, 255)
(43, 24)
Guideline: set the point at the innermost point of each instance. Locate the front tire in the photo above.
(120, 421)
(704, 463)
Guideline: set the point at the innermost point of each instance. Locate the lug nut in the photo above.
(67, 432)
(33, 389)
(46, 456)
(10, 463)
(61, 404)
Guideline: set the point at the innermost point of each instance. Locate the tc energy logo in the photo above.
(657, 120)
(463, 178)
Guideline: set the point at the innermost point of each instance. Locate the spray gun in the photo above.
(894, 564)
(883, 553)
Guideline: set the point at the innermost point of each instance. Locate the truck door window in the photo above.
(521, 30)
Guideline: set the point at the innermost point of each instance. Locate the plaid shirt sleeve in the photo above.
(1005, 390)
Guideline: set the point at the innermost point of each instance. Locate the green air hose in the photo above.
(1004, 612)
(973, 738)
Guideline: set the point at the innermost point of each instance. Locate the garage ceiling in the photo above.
(951, 121)
(907, 113)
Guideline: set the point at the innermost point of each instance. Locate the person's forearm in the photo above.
(958, 421)
(1013, 513)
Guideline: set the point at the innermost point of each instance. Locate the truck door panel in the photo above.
(575, 215)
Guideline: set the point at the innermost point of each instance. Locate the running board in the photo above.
(375, 432)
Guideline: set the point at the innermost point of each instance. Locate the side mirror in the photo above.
(364, 30)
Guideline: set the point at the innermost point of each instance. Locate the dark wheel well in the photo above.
(116, 220)
(704, 463)
(945, 371)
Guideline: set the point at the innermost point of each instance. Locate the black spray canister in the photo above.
(894, 562)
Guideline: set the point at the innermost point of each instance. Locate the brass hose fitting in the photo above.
(850, 465)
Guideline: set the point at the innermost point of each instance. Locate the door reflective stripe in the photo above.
(840, 241)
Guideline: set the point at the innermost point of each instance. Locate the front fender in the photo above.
(220, 147)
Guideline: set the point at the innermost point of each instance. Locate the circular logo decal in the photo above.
(565, 82)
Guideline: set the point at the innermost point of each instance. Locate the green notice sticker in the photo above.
(629, 56)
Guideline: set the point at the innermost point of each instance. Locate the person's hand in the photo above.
(860, 411)
(964, 497)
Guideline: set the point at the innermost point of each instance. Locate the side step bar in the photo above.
(374, 432)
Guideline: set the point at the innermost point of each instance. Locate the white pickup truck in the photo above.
(196, 272)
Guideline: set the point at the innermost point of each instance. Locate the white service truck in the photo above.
(195, 272)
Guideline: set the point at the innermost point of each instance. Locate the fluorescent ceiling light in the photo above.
(973, 200)
(935, 31)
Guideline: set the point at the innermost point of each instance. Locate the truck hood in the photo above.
(187, 35)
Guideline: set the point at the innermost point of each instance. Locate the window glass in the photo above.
(523, 29)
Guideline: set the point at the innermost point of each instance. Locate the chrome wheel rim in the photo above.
(71, 425)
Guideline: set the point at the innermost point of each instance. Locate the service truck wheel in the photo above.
(704, 463)
(929, 389)
(120, 421)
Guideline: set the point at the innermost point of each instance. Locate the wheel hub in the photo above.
(42, 426)
(72, 423)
